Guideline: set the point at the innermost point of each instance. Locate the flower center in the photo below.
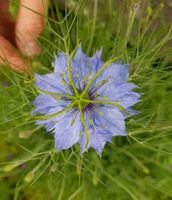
(84, 101)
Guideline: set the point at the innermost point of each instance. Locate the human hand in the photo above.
(18, 38)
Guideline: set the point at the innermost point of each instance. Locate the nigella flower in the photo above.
(85, 100)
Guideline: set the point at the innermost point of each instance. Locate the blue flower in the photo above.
(85, 100)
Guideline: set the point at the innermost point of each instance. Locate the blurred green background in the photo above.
(137, 167)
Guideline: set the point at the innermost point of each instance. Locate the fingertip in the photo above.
(19, 64)
(31, 49)
(29, 26)
(11, 58)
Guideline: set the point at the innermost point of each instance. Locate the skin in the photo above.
(18, 39)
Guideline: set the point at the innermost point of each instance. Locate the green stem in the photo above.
(84, 124)
(69, 72)
(57, 113)
(96, 75)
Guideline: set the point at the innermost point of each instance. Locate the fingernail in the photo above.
(32, 49)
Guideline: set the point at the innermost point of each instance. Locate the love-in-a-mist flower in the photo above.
(85, 100)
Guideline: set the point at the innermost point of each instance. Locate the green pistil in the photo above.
(82, 101)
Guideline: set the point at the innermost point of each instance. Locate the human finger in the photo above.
(10, 57)
(29, 25)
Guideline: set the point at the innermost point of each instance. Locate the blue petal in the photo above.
(80, 68)
(60, 63)
(67, 133)
(46, 104)
(98, 139)
(121, 93)
(128, 99)
(51, 83)
(112, 90)
(108, 121)
(109, 118)
(50, 124)
(115, 72)
(96, 61)
(132, 111)
(84, 67)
